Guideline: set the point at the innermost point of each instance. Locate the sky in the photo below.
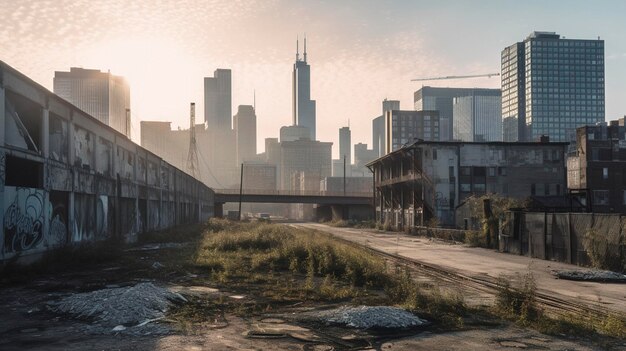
(360, 52)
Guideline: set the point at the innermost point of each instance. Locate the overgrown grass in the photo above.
(518, 303)
(299, 264)
(241, 249)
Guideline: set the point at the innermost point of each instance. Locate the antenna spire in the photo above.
(304, 47)
(297, 48)
(254, 99)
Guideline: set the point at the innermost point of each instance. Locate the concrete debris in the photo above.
(110, 309)
(371, 317)
(592, 276)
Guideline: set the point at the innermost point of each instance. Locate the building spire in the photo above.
(305, 47)
(297, 48)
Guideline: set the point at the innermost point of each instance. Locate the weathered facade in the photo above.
(597, 168)
(67, 178)
(429, 179)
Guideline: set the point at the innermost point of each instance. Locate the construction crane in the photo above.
(488, 75)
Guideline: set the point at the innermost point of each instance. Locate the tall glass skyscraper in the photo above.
(550, 86)
(303, 106)
(218, 101)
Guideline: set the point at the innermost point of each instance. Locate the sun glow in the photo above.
(157, 70)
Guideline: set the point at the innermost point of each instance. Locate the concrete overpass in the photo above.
(335, 205)
(293, 197)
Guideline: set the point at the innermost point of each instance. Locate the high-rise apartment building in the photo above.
(478, 117)
(345, 143)
(244, 123)
(378, 127)
(102, 95)
(303, 106)
(406, 127)
(550, 86)
(218, 100)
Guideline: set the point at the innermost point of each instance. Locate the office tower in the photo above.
(218, 100)
(363, 155)
(378, 127)
(304, 157)
(303, 106)
(478, 117)
(245, 133)
(345, 142)
(406, 127)
(550, 86)
(102, 95)
(442, 100)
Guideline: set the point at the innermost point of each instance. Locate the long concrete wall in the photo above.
(66, 178)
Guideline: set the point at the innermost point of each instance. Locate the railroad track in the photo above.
(552, 304)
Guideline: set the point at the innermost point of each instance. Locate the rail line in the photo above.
(552, 304)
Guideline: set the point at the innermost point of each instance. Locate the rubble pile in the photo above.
(371, 317)
(593, 276)
(118, 308)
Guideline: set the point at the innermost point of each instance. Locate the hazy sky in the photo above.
(360, 51)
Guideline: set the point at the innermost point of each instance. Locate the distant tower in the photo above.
(303, 106)
(345, 149)
(192, 158)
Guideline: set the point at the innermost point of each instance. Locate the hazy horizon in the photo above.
(359, 52)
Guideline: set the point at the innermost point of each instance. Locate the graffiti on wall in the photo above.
(84, 218)
(23, 219)
(24, 215)
(102, 208)
(83, 148)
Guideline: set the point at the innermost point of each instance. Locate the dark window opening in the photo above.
(27, 117)
(23, 173)
(480, 171)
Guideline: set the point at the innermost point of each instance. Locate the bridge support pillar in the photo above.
(219, 210)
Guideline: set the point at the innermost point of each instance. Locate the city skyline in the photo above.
(358, 55)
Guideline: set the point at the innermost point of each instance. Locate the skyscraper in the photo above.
(303, 106)
(550, 86)
(245, 133)
(102, 95)
(345, 141)
(406, 127)
(442, 100)
(478, 117)
(378, 127)
(218, 100)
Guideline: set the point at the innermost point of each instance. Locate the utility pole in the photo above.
(240, 190)
(344, 175)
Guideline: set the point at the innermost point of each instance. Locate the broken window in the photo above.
(58, 138)
(22, 124)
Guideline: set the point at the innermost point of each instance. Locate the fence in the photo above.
(560, 236)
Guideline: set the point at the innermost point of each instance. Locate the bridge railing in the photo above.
(292, 192)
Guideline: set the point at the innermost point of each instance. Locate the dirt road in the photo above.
(481, 262)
